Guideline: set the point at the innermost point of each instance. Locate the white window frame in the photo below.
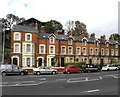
(70, 52)
(27, 48)
(62, 50)
(84, 42)
(107, 45)
(28, 62)
(17, 33)
(116, 52)
(40, 49)
(27, 35)
(52, 40)
(50, 49)
(107, 52)
(96, 51)
(112, 52)
(70, 41)
(102, 51)
(78, 52)
(91, 53)
(84, 53)
(116, 45)
(19, 49)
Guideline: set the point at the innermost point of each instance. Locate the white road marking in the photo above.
(60, 79)
(100, 77)
(21, 84)
(91, 91)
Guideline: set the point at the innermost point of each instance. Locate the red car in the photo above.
(71, 69)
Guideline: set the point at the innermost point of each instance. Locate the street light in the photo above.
(3, 45)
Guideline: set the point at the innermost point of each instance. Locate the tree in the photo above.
(52, 26)
(6, 29)
(69, 26)
(76, 27)
(80, 28)
(115, 36)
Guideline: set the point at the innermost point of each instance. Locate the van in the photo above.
(6, 69)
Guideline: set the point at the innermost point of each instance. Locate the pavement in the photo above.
(96, 83)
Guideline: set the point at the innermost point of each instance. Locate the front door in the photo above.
(62, 61)
(40, 62)
(15, 61)
(90, 61)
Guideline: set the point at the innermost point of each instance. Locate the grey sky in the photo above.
(100, 16)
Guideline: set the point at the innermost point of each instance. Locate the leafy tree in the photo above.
(80, 28)
(76, 27)
(115, 36)
(69, 26)
(7, 24)
(52, 26)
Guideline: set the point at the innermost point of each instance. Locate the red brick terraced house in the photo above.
(32, 47)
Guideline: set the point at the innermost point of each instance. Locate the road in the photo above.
(97, 83)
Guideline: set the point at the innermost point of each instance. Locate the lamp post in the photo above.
(3, 41)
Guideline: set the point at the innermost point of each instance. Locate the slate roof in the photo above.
(22, 28)
(76, 38)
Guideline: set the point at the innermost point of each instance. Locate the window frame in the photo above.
(19, 49)
(15, 33)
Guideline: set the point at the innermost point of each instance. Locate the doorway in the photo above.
(90, 60)
(40, 62)
(62, 61)
(15, 61)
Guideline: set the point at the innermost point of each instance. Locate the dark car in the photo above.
(72, 69)
(6, 69)
(90, 68)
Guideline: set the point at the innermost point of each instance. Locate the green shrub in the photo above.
(79, 64)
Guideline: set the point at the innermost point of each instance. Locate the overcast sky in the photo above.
(100, 16)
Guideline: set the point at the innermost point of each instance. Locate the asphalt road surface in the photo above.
(97, 83)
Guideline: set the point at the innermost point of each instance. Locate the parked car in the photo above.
(109, 67)
(71, 69)
(6, 69)
(44, 70)
(90, 68)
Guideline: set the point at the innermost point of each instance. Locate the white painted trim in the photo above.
(17, 59)
(40, 49)
(26, 36)
(19, 47)
(61, 50)
(19, 35)
(50, 50)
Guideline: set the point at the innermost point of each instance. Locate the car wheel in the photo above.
(116, 69)
(68, 72)
(88, 71)
(53, 72)
(107, 69)
(4, 73)
(22, 73)
(38, 73)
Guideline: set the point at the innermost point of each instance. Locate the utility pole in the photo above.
(3, 41)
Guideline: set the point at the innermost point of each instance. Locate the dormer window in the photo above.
(96, 43)
(116, 45)
(107, 45)
(84, 42)
(28, 37)
(52, 40)
(70, 41)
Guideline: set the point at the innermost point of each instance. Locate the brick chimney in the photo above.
(103, 37)
(92, 36)
(70, 33)
(42, 29)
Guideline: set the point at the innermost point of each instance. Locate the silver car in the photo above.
(44, 70)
